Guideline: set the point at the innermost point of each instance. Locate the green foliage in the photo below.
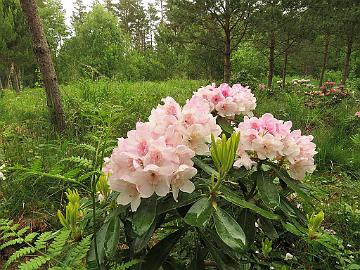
(73, 214)
(53, 249)
(97, 49)
(128, 265)
(208, 224)
(223, 153)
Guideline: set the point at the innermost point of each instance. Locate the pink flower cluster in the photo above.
(156, 156)
(357, 114)
(268, 138)
(228, 101)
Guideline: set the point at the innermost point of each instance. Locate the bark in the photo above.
(346, 68)
(284, 69)
(271, 59)
(42, 54)
(227, 54)
(325, 60)
(13, 78)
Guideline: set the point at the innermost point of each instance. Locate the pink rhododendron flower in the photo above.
(129, 193)
(181, 180)
(156, 156)
(357, 114)
(228, 101)
(269, 138)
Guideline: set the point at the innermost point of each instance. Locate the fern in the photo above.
(35, 263)
(59, 242)
(356, 139)
(80, 161)
(127, 265)
(48, 248)
(78, 253)
(87, 147)
(19, 254)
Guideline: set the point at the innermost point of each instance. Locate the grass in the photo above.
(29, 140)
(111, 108)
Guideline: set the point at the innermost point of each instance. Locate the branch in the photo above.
(216, 17)
(283, 51)
(241, 37)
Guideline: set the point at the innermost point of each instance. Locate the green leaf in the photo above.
(229, 230)
(267, 190)
(169, 204)
(199, 213)
(232, 197)
(292, 228)
(247, 221)
(225, 125)
(158, 253)
(268, 228)
(100, 243)
(291, 210)
(144, 216)
(112, 237)
(224, 256)
(295, 185)
(206, 168)
(197, 262)
(142, 241)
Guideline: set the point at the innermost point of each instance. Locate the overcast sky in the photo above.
(68, 6)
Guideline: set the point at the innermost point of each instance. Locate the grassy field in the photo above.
(106, 110)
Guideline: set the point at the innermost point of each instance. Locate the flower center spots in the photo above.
(142, 148)
(155, 157)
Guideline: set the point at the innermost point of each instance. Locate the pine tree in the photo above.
(79, 12)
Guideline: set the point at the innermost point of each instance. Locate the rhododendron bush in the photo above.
(211, 165)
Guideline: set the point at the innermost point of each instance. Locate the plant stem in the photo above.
(93, 185)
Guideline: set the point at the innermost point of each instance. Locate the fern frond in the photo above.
(31, 236)
(41, 242)
(5, 226)
(8, 235)
(36, 166)
(78, 253)
(22, 231)
(127, 265)
(80, 161)
(356, 139)
(59, 243)
(19, 254)
(12, 242)
(34, 263)
(87, 147)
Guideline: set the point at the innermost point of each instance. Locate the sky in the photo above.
(68, 6)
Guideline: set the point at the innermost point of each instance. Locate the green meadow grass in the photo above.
(113, 108)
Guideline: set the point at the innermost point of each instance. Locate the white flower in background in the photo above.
(288, 256)
(2, 176)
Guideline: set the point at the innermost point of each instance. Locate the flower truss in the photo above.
(156, 157)
(267, 138)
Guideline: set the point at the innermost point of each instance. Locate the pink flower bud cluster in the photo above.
(268, 138)
(228, 101)
(156, 156)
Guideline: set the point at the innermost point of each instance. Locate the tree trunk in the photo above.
(286, 53)
(271, 60)
(13, 77)
(42, 54)
(325, 60)
(346, 69)
(227, 54)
